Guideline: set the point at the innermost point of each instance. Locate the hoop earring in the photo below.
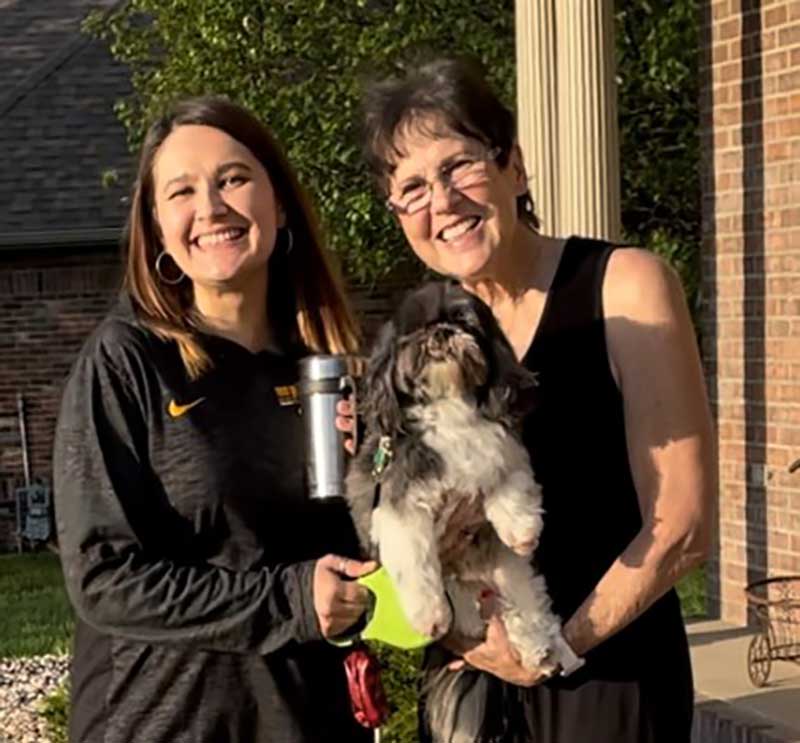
(289, 240)
(162, 276)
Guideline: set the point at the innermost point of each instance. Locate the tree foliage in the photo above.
(300, 64)
(657, 67)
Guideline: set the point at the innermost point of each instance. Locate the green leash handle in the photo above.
(386, 621)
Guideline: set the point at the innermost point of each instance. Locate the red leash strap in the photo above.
(367, 697)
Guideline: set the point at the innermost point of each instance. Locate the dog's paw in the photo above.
(432, 619)
(548, 665)
(521, 538)
(517, 521)
(525, 547)
(533, 643)
(536, 657)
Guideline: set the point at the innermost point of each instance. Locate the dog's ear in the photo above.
(511, 391)
(381, 408)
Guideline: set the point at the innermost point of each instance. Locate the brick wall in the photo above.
(750, 108)
(47, 308)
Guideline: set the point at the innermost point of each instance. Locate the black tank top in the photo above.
(576, 440)
(636, 687)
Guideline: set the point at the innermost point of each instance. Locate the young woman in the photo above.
(204, 580)
(622, 441)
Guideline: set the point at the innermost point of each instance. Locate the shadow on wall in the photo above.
(709, 266)
(753, 269)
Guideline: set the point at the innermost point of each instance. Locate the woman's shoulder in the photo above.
(119, 338)
(639, 284)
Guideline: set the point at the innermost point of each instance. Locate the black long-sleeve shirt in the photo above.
(188, 544)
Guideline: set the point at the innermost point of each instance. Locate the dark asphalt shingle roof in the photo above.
(58, 130)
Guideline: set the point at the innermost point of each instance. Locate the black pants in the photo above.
(654, 710)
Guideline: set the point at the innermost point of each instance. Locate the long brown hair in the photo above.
(306, 302)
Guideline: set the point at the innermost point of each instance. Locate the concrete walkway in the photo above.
(729, 707)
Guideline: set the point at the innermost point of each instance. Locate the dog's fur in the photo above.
(443, 384)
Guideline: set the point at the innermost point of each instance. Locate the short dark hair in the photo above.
(453, 91)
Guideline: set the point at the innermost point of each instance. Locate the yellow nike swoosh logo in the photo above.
(176, 411)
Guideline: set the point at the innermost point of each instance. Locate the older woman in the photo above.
(203, 578)
(621, 443)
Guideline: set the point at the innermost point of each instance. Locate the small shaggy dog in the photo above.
(442, 398)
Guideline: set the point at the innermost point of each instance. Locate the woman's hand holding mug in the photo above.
(346, 422)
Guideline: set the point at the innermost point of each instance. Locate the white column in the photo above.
(588, 126)
(537, 106)
(567, 114)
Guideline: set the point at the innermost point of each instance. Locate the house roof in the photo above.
(58, 131)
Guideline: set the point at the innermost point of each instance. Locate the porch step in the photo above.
(728, 708)
(717, 721)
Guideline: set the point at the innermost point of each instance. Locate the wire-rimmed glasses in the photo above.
(463, 172)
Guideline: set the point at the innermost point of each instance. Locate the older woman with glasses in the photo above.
(621, 443)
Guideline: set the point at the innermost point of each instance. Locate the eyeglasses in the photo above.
(465, 171)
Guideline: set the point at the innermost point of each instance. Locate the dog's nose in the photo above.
(435, 341)
(441, 335)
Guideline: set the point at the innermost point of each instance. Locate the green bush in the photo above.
(55, 710)
(401, 681)
(658, 71)
(299, 64)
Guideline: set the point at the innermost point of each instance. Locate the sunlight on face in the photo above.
(215, 207)
(460, 231)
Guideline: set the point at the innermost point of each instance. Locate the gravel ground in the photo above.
(24, 683)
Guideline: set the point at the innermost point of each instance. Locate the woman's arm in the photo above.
(128, 564)
(654, 359)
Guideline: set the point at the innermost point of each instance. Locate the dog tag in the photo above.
(383, 456)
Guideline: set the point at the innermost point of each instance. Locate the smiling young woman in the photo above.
(216, 211)
(184, 195)
(204, 579)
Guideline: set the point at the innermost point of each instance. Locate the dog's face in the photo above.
(440, 346)
(442, 342)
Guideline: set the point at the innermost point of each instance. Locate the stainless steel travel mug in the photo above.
(323, 380)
